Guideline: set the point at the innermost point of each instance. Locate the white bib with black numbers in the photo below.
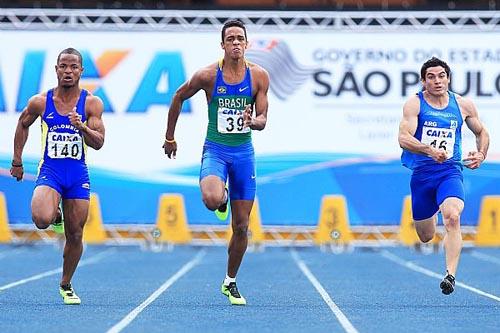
(64, 145)
(439, 138)
(230, 121)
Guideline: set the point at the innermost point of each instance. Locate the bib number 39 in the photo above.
(230, 121)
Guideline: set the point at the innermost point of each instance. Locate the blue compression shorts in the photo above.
(236, 162)
(430, 188)
(69, 185)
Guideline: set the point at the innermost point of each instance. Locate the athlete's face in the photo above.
(436, 81)
(235, 42)
(68, 70)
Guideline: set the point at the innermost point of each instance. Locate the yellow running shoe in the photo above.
(231, 291)
(223, 211)
(68, 294)
(58, 224)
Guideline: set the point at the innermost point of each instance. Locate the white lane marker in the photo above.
(414, 267)
(90, 260)
(134, 313)
(341, 317)
(485, 257)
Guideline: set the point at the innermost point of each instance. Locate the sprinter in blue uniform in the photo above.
(71, 120)
(234, 88)
(430, 135)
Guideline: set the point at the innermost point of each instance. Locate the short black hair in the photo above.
(434, 62)
(233, 23)
(71, 50)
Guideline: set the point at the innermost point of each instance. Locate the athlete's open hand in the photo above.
(248, 119)
(473, 159)
(438, 155)
(170, 147)
(75, 119)
(17, 172)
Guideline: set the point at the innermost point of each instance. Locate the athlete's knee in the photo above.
(425, 234)
(240, 230)
(74, 236)
(451, 219)
(42, 220)
(212, 200)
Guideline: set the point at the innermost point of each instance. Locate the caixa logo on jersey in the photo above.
(164, 74)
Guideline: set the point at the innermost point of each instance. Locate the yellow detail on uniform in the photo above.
(407, 233)
(85, 146)
(94, 232)
(488, 229)
(333, 225)
(171, 220)
(255, 233)
(45, 131)
(5, 234)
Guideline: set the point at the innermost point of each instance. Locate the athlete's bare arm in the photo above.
(261, 79)
(93, 132)
(471, 116)
(407, 128)
(202, 79)
(35, 109)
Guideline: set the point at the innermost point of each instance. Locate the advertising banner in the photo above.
(335, 102)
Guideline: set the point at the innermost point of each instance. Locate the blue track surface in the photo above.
(376, 290)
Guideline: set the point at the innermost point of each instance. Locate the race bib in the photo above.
(64, 145)
(230, 121)
(439, 138)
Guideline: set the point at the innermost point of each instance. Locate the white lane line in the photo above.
(414, 267)
(90, 260)
(134, 313)
(485, 257)
(341, 317)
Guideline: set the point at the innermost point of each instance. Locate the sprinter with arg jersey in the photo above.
(236, 93)
(71, 120)
(430, 134)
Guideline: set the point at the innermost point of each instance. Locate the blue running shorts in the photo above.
(236, 162)
(70, 185)
(430, 188)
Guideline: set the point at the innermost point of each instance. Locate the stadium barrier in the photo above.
(171, 223)
(333, 225)
(94, 232)
(488, 229)
(5, 233)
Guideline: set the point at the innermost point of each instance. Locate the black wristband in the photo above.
(16, 165)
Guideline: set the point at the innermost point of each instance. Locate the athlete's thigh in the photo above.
(75, 213)
(45, 201)
(213, 170)
(423, 197)
(242, 182)
(451, 187)
(240, 209)
(213, 163)
(426, 225)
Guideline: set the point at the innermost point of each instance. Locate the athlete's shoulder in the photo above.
(37, 102)
(207, 73)
(466, 105)
(93, 102)
(257, 70)
(412, 104)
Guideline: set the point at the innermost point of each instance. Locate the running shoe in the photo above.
(231, 291)
(58, 224)
(68, 294)
(223, 211)
(448, 284)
